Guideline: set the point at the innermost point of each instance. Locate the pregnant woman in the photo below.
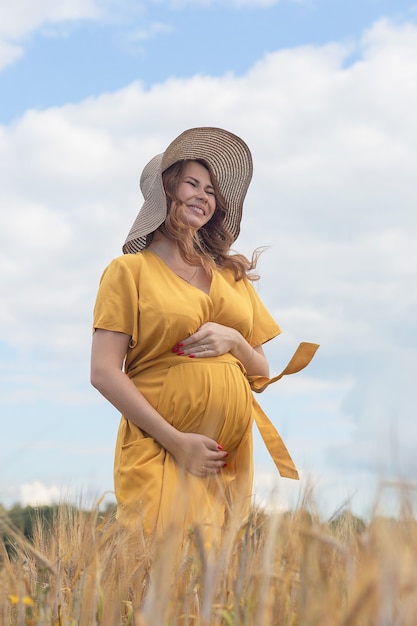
(177, 343)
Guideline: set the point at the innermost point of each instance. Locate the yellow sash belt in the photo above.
(276, 447)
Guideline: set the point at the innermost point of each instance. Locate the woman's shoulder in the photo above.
(229, 276)
(131, 262)
(124, 266)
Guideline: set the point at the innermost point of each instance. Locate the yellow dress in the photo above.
(139, 295)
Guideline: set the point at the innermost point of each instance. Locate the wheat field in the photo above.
(280, 569)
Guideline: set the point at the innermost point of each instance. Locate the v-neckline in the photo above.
(178, 277)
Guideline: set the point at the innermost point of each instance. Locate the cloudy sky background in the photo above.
(326, 96)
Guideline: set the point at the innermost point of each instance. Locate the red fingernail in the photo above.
(180, 353)
(180, 345)
(219, 447)
(192, 356)
(224, 464)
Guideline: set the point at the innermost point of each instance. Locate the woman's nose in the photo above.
(201, 193)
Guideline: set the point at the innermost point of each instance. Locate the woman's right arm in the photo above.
(191, 450)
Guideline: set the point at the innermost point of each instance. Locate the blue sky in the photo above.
(69, 60)
(325, 95)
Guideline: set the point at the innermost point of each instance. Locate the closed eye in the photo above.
(193, 182)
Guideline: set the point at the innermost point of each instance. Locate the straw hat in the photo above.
(230, 160)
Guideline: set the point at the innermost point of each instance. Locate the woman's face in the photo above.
(196, 193)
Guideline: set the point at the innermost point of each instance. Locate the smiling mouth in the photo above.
(197, 208)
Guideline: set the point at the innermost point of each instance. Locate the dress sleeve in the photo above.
(117, 302)
(264, 326)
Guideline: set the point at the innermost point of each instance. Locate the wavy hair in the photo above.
(210, 246)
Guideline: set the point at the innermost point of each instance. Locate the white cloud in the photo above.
(9, 53)
(134, 40)
(238, 4)
(333, 194)
(20, 18)
(154, 29)
(37, 494)
(223, 3)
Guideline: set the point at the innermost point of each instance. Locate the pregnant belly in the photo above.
(207, 396)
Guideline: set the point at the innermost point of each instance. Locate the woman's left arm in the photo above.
(213, 339)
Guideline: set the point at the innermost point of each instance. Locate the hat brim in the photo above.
(230, 160)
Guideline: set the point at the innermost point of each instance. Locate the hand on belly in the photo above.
(199, 454)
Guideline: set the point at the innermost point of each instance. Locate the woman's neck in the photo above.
(169, 252)
(166, 248)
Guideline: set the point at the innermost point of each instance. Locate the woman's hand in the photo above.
(198, 454)
(213, 339)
